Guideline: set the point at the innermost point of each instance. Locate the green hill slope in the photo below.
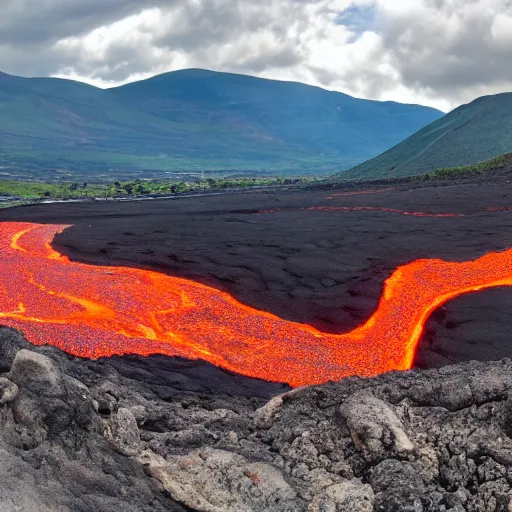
(191, 120)
(468, 135)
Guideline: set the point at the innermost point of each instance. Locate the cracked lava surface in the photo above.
(95, 311)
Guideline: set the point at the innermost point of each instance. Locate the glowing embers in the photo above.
(93, 311)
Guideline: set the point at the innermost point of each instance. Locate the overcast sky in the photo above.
(434, 52)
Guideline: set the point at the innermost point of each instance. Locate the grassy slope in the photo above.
(468, 135)
(193, 120)
(494, 169)
(494, 166)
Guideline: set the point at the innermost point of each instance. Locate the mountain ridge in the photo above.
(472, 133)
(192, 120)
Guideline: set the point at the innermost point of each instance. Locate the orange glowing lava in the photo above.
(361, 192)
(93, 311)
(378, 209)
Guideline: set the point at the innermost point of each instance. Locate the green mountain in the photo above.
(190, 121)
(469, 134)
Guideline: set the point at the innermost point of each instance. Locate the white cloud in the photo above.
(501, 31)
(437, 52)
(448, 50)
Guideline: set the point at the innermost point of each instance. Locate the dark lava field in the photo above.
(318, 257)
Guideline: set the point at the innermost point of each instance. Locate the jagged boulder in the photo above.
(47, 401)
(36, 373)
(123, 432)
(374, 426)
(212, 480)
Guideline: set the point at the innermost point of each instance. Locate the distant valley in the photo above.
(190, 122)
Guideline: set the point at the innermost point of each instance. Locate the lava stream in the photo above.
(379, 209)
(361, 192)
(94, 311)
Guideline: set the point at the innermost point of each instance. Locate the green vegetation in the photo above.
(14, 193)
(488, 166)
(188, 122)
(34, 191)
(470, 134)
(495, 168)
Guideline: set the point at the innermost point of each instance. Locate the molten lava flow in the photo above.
(382, 209)
(361, 192)
(499, 209)
(95, 311)
(376, 209)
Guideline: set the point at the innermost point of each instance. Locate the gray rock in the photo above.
(265, 415)
(398, 486)
(19, 491)
(8, 391)
(434, 440)
(373, 425)
(212, 480)
(48, 401)
(53, 456)
(36, 373)
(124, 432)
(106, 395)
(351, 496)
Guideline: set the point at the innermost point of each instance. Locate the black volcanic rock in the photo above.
(12, 342)
(80, 435)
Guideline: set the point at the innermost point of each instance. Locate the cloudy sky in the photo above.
(435, 52)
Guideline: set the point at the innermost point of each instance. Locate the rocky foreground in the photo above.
(127, 434)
